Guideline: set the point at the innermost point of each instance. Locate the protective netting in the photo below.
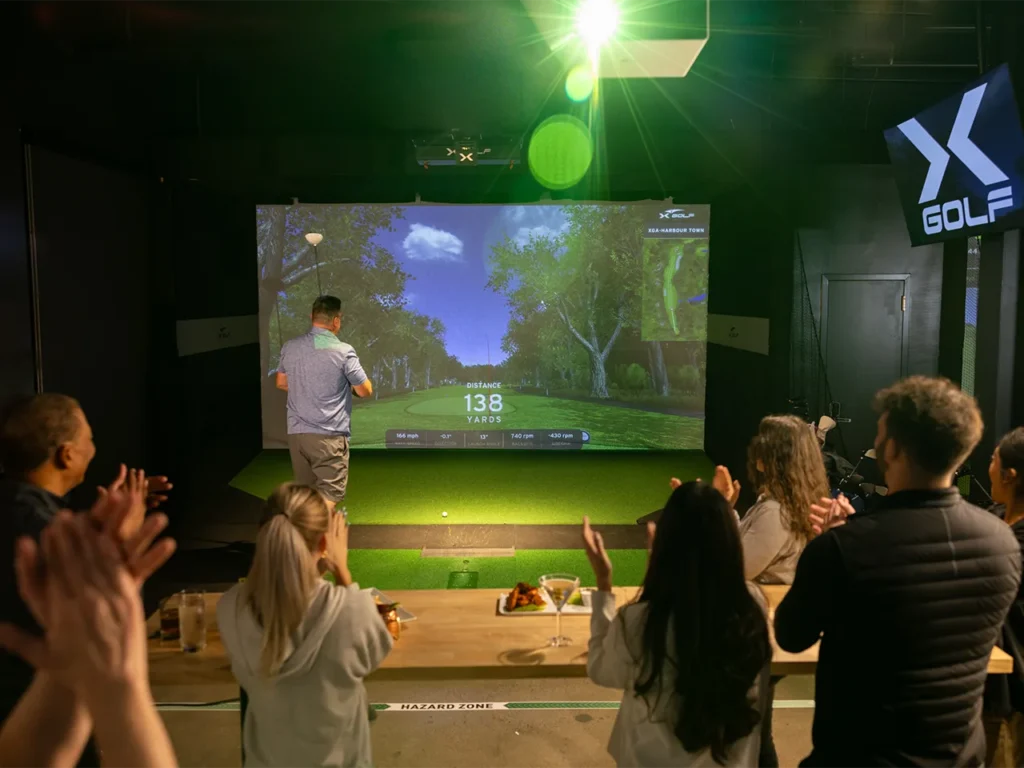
(971, 315)
(810, 394)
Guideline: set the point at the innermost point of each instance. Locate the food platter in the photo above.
(582, 608)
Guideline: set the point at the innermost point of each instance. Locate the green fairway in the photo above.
(405, 569)
(495, 487)
(611, 425)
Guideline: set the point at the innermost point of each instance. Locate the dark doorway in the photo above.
(864, 321)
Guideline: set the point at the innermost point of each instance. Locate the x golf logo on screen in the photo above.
(958, 164)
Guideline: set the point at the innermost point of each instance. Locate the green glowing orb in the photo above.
(560, 152)
(580, 83)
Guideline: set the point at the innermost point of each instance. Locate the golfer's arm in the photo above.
(49, 726)
(282, 381)
(363, 390)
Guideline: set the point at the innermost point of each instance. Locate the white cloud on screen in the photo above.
(524, 222)
(424, 243)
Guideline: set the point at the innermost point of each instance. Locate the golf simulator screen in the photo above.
(574, 326)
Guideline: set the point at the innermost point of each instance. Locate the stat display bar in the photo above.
(511, 439)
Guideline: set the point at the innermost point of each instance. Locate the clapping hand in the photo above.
(84, 592)
(129, 487)
(86, 597)
(722, 482)
(335, 558)
(593, 544)
(725, 485)
(830, 513)
(157, 487)
(39, 586)
(154, 489)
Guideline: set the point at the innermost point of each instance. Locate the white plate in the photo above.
(549, 608)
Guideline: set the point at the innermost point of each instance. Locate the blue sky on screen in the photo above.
(445, 249)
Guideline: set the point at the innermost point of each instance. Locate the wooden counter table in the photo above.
(457, 635)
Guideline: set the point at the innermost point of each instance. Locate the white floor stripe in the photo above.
(793, 704)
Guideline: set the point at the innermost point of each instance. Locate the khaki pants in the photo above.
(1005, 747)
(321, 461)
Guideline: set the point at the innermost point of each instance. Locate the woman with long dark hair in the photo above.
(1004, 694)
(784, 463)
(692, 653)
(786, 468)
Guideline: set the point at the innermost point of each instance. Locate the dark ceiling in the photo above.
(274, 88)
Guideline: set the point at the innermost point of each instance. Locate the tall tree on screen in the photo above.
(563, 359)
(366, 277)
(431, 353)
(589, 277)
(521, 345)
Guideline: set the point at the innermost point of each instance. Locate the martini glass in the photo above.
(560, 587)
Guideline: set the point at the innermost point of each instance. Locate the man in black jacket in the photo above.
(907, 599)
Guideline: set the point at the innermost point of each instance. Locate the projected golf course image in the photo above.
(532, 326)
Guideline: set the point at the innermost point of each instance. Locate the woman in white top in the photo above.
(300, 646)
(692, 652)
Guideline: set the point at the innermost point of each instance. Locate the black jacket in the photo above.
(25, 510)
(908, 599)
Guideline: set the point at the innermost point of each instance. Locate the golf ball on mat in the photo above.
(444, 514)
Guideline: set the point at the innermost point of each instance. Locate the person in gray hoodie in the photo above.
(300, 646)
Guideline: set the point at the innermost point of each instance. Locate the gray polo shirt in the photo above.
(321, 372)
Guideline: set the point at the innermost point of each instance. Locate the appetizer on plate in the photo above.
(525, 598)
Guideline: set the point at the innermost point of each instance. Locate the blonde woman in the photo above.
(300, 646)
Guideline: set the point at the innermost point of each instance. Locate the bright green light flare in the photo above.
(580, 83)
(596, 21)
(560, 152)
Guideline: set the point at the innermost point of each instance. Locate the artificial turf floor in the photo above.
(495, 487)
(405, 569)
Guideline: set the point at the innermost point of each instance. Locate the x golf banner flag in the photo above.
(959, 165)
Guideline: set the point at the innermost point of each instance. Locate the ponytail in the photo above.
(283, 574)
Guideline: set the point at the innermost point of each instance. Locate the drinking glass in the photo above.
(168, 620)
(192, 620)
(560, 588)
